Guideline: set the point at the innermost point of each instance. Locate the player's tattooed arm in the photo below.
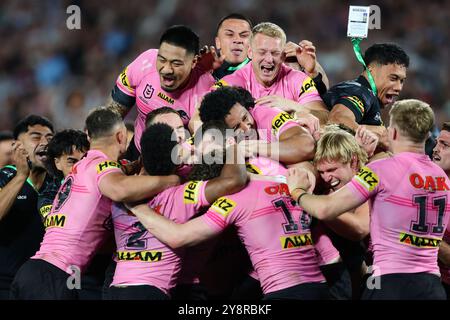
(117, 107)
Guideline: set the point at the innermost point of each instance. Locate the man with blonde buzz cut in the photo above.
(409, 209)
(273, 83)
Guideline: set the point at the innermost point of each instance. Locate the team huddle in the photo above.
(247, 177)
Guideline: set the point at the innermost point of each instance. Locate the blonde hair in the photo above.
(269, 29)
(413, 117)
(338, 145)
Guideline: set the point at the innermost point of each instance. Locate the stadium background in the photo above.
(48, 69)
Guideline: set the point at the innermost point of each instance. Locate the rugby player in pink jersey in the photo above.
(164, 77)
(274, 231)
(273, 83)
(339, 156)
(146, 268)
(77, 224)
(441, 156)
(269, 132)
(409, 210)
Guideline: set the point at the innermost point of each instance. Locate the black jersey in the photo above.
(359, 98)
(21, 229)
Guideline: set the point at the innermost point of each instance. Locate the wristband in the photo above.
(300, 197)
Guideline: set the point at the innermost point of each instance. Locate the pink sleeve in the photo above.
(130, 77)
(365, 184)
(326, 252)
(235, 79)
(273, 121)
(105, 167)
(305, 88)
(223, 212)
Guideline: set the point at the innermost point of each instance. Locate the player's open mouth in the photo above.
(267, 70)
(335, 183)
(390, 98)
(236, 52)
(436, 158)
(168, 81)
(41, 155)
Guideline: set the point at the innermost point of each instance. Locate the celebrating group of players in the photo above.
(247, 177)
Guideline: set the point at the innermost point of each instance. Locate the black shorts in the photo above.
(143, 292)
(304, 291)
(190, 292)
(405, 286)
(338, 280)
(447, 289)
(248, 289)
(39, 280)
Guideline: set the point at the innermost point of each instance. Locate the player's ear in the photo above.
(195, 61)
(250, 52)
(354, 162)
(58, 163)
(217, 41)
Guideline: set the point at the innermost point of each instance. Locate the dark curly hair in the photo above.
(216, 105)
(157, 144)
(62, 143)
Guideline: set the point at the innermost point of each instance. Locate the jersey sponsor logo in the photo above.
(296, 241)
(419, 242)
(367, 178)
(223, 206)
(219, 84)
(428, 183)
(124, 79)
(166, 98)
(279, 189)
(191, 192)
(355, 101)
(107, 165)
(280, 120)
(55, 221)
(45, 210)
(148, 91)
(252, 168)
(308, 85)
(144, 256)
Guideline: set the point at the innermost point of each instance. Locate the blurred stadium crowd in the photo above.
(47, 69)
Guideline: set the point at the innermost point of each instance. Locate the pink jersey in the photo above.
(409, 211)
(271, 122)
(79, 220)
(326, 251)
(274, 231)
(265, 167)
(140, 80)
(445, 270)
(290, 84)
(141, 258)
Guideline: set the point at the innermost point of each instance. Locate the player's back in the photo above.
(77, 224)
(141, 258)
(275, 232)
(409, 212)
